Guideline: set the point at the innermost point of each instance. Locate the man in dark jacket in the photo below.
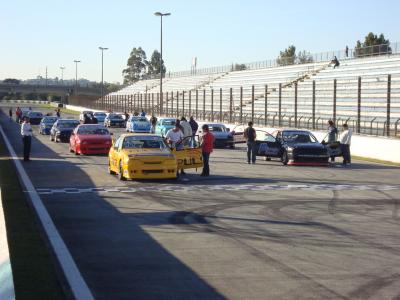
(194, 125)
(250, 136)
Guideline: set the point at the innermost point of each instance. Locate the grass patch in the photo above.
(33, 270)
(63, 110)
(373, 160)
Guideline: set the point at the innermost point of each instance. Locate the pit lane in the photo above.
(249, 231)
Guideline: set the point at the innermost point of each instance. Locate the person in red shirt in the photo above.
(207, 147)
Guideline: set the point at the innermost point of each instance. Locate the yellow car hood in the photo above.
(147, 152)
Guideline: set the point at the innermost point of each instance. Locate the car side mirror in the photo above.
(72, 133)
(111, 133)
(228, 129)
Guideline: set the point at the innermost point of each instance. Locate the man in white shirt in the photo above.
(187, 130)
(174, 137)
(26, 133)
(345, 141)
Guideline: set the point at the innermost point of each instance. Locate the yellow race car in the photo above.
(146, 156)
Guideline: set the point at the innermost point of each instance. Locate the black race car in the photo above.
(293, 147)
(114, 120)
(62, 129)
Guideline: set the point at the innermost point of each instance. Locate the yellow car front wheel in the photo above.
(110, 171)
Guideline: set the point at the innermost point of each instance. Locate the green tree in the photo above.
(287, 56)
(154, 64)
(238, 67)
(304, 57)
(372, 45)
(136, 66)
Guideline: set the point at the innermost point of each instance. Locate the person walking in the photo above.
(345, 141)
(26, 133)
(18, 114)
(332, 135)
(249, 135)
(10, 113)
(153, 122)
(207, 146)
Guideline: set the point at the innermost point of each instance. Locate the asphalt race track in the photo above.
(263, 231)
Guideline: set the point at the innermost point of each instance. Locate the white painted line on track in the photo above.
(222, 187)
(6, 277)
(77, 284)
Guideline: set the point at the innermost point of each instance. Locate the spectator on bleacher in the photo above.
(335, 62)
(345, 141)
(250, 136)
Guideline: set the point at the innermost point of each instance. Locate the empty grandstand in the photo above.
(364, 92)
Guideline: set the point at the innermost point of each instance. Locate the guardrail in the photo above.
(279, 106)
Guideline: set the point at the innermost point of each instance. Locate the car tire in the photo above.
(266, 158)
(70, 149)
(51, 138)
(121, 173)
(284, 158)
(111, 172)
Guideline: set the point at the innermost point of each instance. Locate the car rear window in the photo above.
(168, 122)
(93, 130)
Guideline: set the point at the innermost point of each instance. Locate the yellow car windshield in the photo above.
(151, 142)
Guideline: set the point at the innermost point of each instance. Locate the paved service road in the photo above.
(261, 231)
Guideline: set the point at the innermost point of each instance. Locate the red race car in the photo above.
(90, 139)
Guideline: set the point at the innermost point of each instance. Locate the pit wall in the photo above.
(372, 147)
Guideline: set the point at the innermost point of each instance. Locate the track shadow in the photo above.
(117, 258)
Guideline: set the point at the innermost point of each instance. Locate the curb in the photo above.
(6, 277)
(76, 283)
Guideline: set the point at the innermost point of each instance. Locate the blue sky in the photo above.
(42, 33)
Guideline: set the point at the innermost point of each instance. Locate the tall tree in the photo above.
(154, 64)
(287, 56)
(136, 66)
(372, 45)
(304, 57)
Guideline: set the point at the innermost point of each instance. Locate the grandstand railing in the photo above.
(377, 50)
(372, 110)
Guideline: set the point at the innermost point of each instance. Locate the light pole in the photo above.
(62, 74)
(76, 74)
(161, 15)
(102, 82)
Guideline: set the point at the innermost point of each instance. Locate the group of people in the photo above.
(344, 140)
(183, 134)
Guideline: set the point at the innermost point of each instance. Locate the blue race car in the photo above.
(46, 123)
(164, 124)
(138, 124)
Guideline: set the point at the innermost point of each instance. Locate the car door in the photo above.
(189, 156)
(267, 145)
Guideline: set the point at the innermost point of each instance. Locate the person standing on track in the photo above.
(26, 132)
(18, 114)
(207, 146)
(250, 136)
(345, 141)
(10, 113)
(332, 135)
(153, 122)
